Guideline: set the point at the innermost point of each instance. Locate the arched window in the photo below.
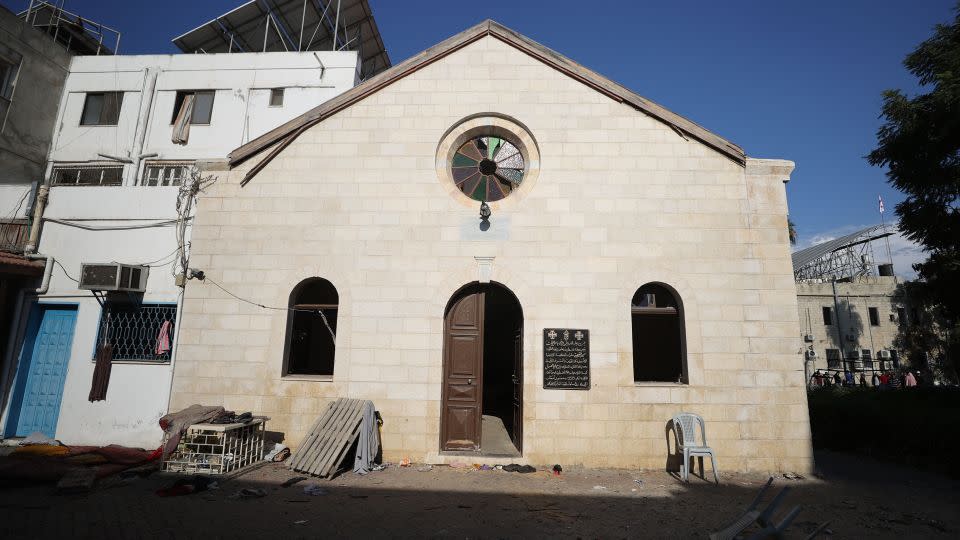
(311, 328)
(659, 341)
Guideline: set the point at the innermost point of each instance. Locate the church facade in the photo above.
(513, 257)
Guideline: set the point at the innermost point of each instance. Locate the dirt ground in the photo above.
(861, 499)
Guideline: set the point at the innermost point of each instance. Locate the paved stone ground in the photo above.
(861, 498)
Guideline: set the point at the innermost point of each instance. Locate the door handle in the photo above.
(469, 381)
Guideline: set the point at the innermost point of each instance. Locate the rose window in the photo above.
(487, 168)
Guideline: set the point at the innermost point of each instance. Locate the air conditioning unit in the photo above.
(808, 338)
(884, 354)
(113, 277)
(854, 354)
(811, 353)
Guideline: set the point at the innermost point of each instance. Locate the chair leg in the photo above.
(713, 465)
(685, 468)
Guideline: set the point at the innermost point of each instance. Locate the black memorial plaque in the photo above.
(566, 359)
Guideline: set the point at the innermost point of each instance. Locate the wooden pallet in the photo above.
(330, 438)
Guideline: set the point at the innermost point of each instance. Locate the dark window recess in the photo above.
(138, 332)
(311, 328)
(87, 176)
(827, 315)
(874, 316)
(914, 316)
(901, 316)
(276, 97)
(101, 109)
(202, 106)
(658, 335)
(833, 359)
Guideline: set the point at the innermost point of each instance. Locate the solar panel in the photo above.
(293, 25)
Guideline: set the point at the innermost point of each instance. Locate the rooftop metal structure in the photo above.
(847, 257)
(78, 35)
(293, 25)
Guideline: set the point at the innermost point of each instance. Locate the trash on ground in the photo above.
(792, 476)
(274, 451)
(248, 493)
(486, 467)
(425, 468)
(314, 489)
(77, 481)
(557, 469)
(325, 448)
(39, 438)
(300, 522)
(513, 467)
(599, 488)
(293, 481)
(638, 482)
(459, 465)
(380, 467)
(185, 486)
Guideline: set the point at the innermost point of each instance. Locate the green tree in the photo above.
(919, 143)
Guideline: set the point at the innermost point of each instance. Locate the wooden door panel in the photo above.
(462, 374)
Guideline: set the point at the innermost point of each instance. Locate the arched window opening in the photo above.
(659, 343)
(311, 328)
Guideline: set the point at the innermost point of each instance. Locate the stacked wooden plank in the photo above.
(330, 438)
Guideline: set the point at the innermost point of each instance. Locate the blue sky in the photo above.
(794, 80)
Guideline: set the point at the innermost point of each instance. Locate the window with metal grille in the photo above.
(276, 97)
(8, 78)
(101, 109)
(165, 173)
(138, 332)
(88, 175)
(867, 356)
(833, 359)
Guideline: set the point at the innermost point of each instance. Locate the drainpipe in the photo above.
(9, 357)
(39, 205)
(143, 118)
(836, 310)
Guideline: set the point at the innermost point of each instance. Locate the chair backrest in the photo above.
(686, 426)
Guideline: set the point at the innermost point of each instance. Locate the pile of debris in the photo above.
(345, 422)
(40, 459)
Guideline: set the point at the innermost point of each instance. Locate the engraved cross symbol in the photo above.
(566, 335)
(552, 334)
(578, 335)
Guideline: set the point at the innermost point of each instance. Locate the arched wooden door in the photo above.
(461, 412)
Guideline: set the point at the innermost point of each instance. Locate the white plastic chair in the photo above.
(685, 425)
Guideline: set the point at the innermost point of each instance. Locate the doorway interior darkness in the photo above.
(483, 370)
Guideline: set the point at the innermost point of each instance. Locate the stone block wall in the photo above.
(620, 200)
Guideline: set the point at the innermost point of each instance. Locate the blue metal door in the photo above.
(42, 370)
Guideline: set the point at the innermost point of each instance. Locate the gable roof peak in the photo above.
(286, 133)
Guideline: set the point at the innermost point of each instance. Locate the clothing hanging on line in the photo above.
(163, 339)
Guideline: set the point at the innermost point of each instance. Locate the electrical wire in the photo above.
(13, 214)
(166, 223)
(71, 278)
(251, 302)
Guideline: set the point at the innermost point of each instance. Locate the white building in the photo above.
(115, 175)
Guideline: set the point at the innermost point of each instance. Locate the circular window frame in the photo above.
(495, 125)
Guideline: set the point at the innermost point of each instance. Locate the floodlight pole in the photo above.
(336, 28)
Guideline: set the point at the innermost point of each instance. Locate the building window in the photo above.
(138, 332)
(827, 315)
(165, 173)
(901, 316)
(101, 109)
(198, 104)
(276, 97)
(833, 359)
(8, 78)
(87, 175)
(659, 351)
(487, 168)
(311, 328)
(867, 357)
(874, 316)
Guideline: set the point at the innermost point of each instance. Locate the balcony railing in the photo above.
(14, 235)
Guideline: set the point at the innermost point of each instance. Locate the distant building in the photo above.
(132, 134)
(851, 311)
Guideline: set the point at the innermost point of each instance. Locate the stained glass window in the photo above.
(487, 168)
